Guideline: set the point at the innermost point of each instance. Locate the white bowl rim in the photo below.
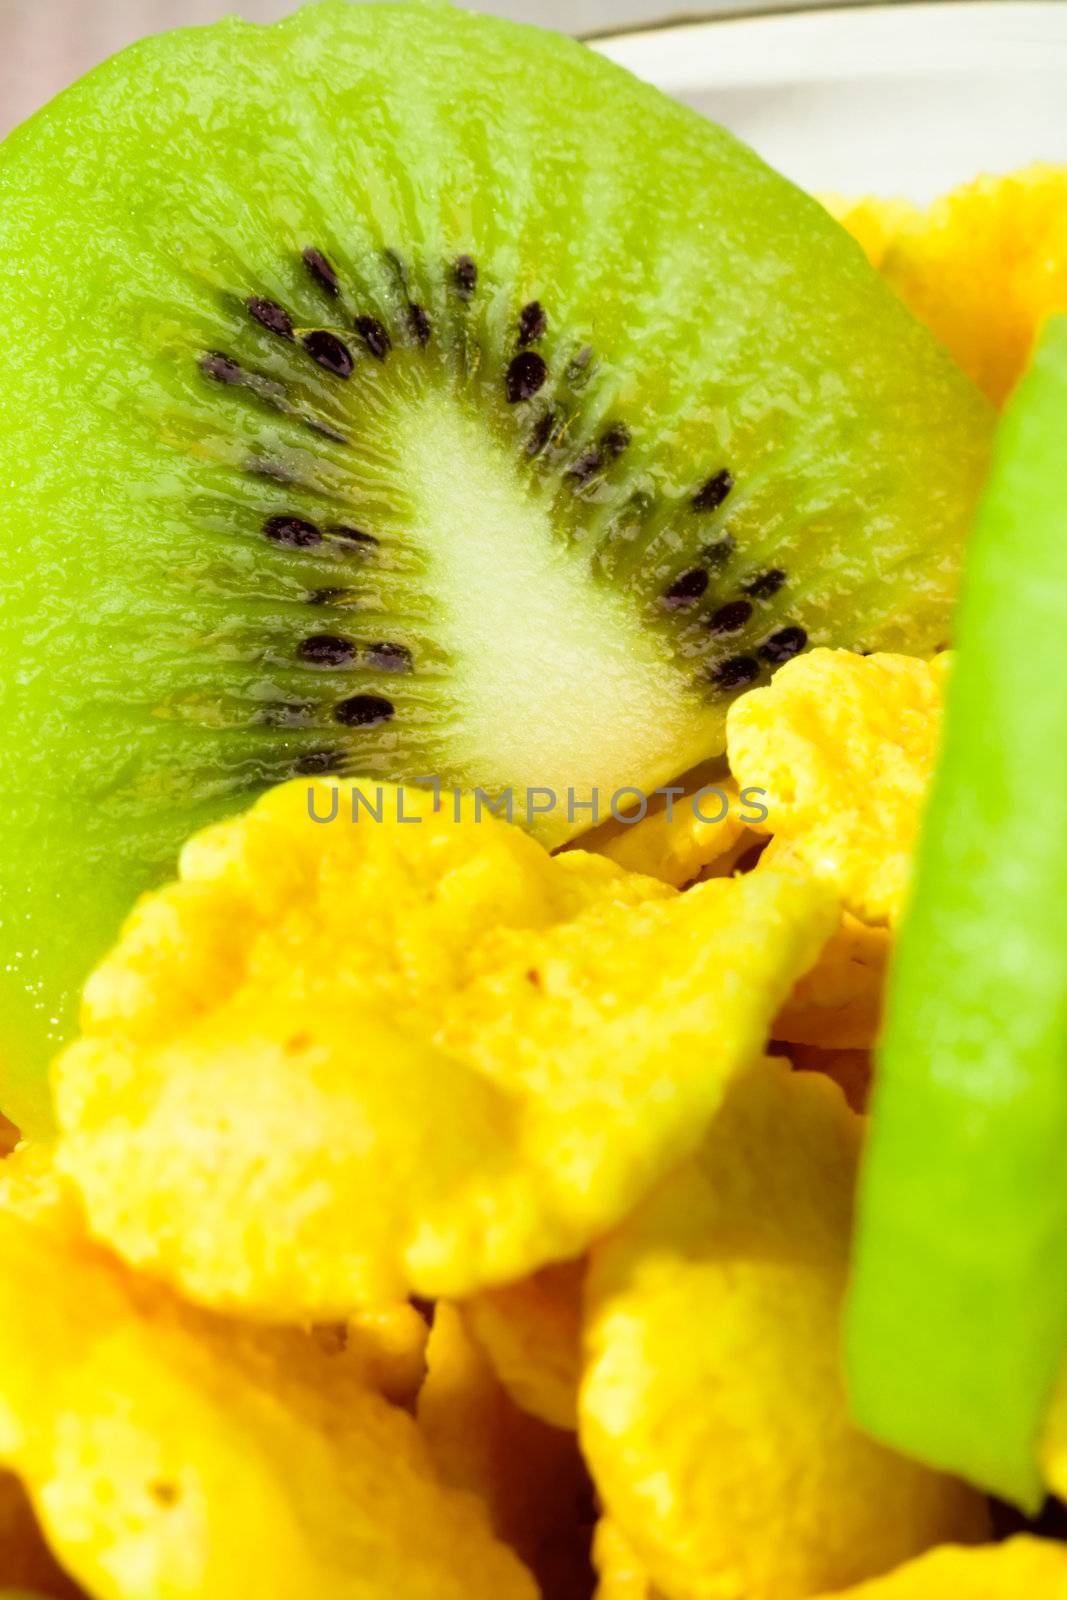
(926, 37)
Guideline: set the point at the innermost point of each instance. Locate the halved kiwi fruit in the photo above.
(393, 390)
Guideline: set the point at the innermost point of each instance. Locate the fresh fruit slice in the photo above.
(397, 391)
(959, 1310)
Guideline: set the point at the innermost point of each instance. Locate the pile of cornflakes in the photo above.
(434, 1217)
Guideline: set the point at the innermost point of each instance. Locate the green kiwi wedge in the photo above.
(396, 391)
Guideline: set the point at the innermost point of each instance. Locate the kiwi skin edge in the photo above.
(374, 402)
(958, 1320)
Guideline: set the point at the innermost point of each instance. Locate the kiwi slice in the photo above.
(958, 1319)
(396, 391)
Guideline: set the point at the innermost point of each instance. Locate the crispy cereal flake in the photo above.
(173, 1454)
(713, 1410)
(530, 1476)
(532, 1333)
(872, 222)
(336, 1065)
(851, 1070)
(622, 1577)
(697, 835)
(1020, 1569)
(838, 1005)
(984, 267)
(388, 1344)
(845, 747)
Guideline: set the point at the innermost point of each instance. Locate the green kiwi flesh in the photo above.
(397, 391)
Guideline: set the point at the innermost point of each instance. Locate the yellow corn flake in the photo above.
(851, 1070)
(1019, 1569)
(32, 1190)
(873, 223)
(531, 1331)
(844, 745)
(174, 1454)
(337, 1065)
(387, 1344)
(838, 1005)
(530, 1476)
(984, 267)
(713, 1409)
(621, 1575)
(697, 835)
(25, 1560)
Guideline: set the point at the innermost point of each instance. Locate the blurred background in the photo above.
(44, 44)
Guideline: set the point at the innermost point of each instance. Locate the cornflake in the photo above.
(838, 1005)
(173, 1452)
(532, 1331)
(1019, 1569)
(713, 1411)
(698, 835)
(530, 1476)
(335, 1066)
(844, 745)
(622, 1577)
(982, 267)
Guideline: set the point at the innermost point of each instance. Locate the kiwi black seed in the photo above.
(712, 493)
(329, 351)
(533, 323)
(387, 657)
(614, 440)
(354, 535)
(525, 377)
(735, 672)
(765, 584)
(465, 274)
(716, 555)
(783, 645)
(580, 367)
(731, 617)
(419, 323)
(374, 336)
(687, 589)
(271, 315)
(542, 432)
(320, 270)
(327, 650)
(586, 465)
(363, 710)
